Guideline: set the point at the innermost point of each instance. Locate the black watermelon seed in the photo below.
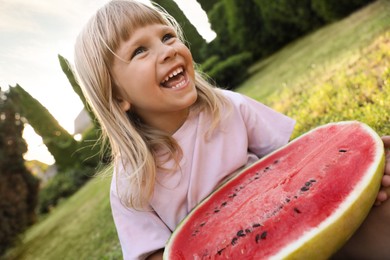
(220, 251)
(276, 161)
(195, 233)
(255, 225)
(264, 235)
(257, 238)
(287, 200)
(216, 211)
(312, 180)
(342, 151)
(234, 241)
(202, 224)
(247, 230)
(224, 204)
(297, 210)
(241, 233)
(233, 195)
(308, 184)
(305, 188)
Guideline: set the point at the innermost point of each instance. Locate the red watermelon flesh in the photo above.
(304, 200)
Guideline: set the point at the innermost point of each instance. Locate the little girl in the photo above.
(174, 137)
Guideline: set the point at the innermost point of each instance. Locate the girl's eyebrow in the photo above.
(171, 30)
(127, 48)
(167, 28)
(123, 53)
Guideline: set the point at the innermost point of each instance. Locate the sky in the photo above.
(33, 33)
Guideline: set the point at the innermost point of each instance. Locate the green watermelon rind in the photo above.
(324, 240)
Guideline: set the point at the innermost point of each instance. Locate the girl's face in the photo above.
(158, 81)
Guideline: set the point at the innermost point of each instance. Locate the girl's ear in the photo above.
(123, 104)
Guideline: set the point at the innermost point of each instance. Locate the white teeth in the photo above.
(172, 74)
(179, 85)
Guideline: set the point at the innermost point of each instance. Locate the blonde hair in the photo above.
(133, 144)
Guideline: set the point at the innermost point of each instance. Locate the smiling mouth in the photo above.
(175, 79)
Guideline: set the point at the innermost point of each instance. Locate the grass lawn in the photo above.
(79, 228)
(340, 72)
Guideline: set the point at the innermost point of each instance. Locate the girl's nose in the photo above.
(167, 52)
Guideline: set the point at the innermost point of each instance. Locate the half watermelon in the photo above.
(303, 201)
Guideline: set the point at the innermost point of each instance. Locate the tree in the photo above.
(286, 20)
(222, 45)
(246, 27)
(58, 141)
(67, 69)
(89, 148)
(332, 10)
(18, 188)
(195, 40)
(207, 5)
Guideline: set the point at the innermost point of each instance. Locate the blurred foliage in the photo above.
(59, 142)
(89, 145)
(67, 69)
(245, 25)
(194, 40)
(62, 186)
(332, 10)
(286, 20)
(88, 152)
(75, 160)
(222, 45)
(207, 5)
(262, 27)
(18, 187)
(230, 72)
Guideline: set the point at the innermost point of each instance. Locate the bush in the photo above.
(18, 187)
(332, 10)
(286, 20)
(210, 63)
(232, 71)
(61, 186)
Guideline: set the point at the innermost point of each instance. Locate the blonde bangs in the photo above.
(117, 21)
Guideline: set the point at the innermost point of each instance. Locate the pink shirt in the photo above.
(251, 131)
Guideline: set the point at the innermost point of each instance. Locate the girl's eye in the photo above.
(167, 37)
(138, 51)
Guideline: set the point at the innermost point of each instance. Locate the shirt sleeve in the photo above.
(140, 232)
(267, 129)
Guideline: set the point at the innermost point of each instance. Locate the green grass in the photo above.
(360, 91)
(340, 72)
(79, 228)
